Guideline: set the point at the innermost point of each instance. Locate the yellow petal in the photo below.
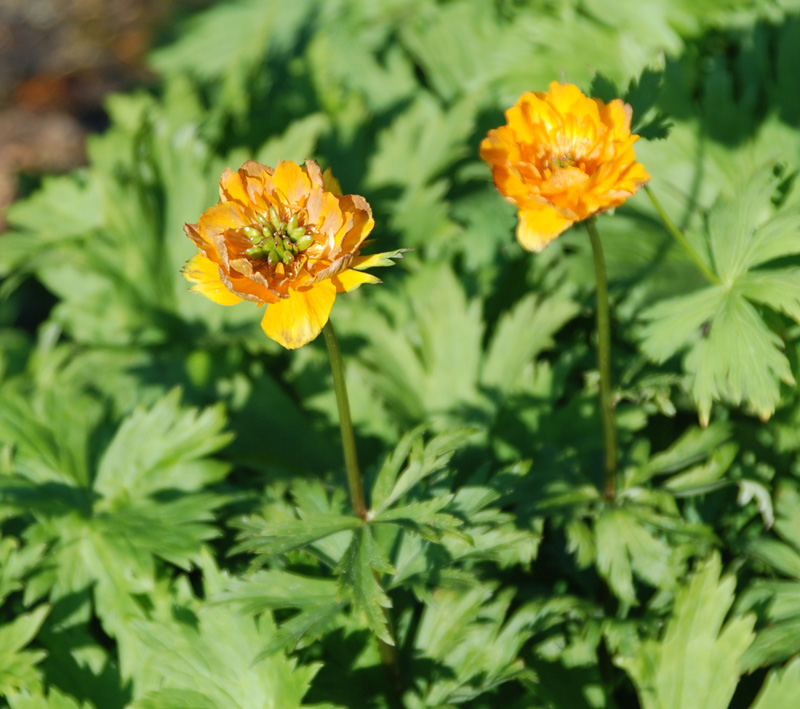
(539, 225)
(374, 260)
(331, 183)
(291, 181)
(350, 280)
(216, 219)
(231, 187)
(298, 319)
(205, 275)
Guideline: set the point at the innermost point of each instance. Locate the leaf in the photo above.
(694, 445)
(625, 546)
(781, 688)
(358, 579)
(17, 666)
(733, 355)
(642, 95)
(521, 335)
(208, 652)
(392, 464)
(268, 539)
(472, 640)
(165, 447)
(696, 663)
(53, 700)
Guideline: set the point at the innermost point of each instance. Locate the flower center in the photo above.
(566, 160)
(275, 240)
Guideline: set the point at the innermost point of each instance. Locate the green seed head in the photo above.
(273, 258)
(275, 219)
(252, 233)
(304, 242)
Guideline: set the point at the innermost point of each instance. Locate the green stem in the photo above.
(345, 422)
(678, 235)
(387, 651)
(604, 362)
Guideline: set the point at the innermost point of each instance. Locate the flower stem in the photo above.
(604, 361)
(678, 235)
(387, 651)
(345, 422)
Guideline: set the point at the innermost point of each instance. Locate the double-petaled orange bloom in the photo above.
(561, 158)
(286, 238)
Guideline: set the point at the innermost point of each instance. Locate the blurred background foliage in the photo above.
(143, 430)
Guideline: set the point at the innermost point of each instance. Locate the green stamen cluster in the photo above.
(275, 240)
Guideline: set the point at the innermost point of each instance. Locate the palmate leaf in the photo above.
(781, 688)
(696, 664)
(359, 567)
(53, 700)
(474, 642)
(17, 666)
(105, 528)
(732, 354)
(208, 653)
(624, 547)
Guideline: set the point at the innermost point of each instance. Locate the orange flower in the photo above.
(286, 238)
(561, 158)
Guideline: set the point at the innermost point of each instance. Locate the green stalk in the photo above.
(387, 652)
(604, 362)
(345, 422)
(678, 235)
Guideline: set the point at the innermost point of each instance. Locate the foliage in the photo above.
(175, 531)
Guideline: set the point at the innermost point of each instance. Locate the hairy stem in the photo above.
(678, 235)
(604, 362)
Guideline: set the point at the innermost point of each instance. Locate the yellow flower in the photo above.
(286, 238)
(561, 158)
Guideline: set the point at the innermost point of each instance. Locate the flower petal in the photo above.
(350, 280)
(539, 225)
(215, 220)
(205, 275)
(291, 182)
(231, 187)
(298, 319)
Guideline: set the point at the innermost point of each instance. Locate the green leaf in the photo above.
(268, 539)
(733, 355)
(53, 700)
(521, 335)
(165, 447)
(694, 445)
(17, 666)
(208, 652)
(696, 664)
(624, 547)
(358, 579)
(781, 688)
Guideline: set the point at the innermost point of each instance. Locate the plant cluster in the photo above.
(516, 522)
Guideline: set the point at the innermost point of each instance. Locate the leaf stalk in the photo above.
(679, 236)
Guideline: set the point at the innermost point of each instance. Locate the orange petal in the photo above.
(298, 319)
(331, 183)
(539, 225)
(216, 219)
(205, 275)
(231, 187)
(291, 181)
(350, 280)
